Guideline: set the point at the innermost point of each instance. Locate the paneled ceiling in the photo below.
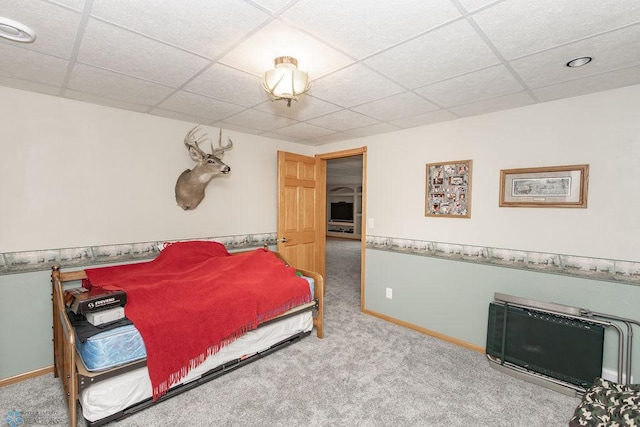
(374, 66)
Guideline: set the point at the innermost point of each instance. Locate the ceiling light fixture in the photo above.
(285, 81)
(579, 62)
(16, 31)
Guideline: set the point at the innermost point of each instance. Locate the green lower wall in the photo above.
(26, 320)
(452, 297)
(449, 297)
(25, 323)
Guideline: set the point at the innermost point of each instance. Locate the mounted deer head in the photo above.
(192, 182)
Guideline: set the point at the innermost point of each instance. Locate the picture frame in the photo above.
(551, 187)
(448, 189)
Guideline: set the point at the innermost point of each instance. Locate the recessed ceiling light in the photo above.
(16, 31)
(579, 62)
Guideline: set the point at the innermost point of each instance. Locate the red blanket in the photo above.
(195, 298)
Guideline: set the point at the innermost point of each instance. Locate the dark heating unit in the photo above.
(554, 345)
(566, 349)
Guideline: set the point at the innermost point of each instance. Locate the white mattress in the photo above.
(111, 396)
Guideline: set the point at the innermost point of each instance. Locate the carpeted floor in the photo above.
(365, 372)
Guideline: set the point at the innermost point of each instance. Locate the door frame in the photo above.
(323, 215)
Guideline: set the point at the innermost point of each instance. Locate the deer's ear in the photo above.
(195, 154)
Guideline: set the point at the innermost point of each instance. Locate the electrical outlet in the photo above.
(370, 222)
(389, 293)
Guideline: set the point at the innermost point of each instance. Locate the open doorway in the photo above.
(344, 197)
(345, 233)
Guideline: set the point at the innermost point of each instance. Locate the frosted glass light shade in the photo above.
(285, 81)
(15, 31)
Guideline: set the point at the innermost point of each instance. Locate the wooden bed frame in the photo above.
(74, 376)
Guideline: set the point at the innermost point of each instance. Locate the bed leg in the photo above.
(319, 320)
(55, 277)
(73, 418)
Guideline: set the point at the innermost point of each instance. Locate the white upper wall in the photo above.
(75, 174)
(602, 130)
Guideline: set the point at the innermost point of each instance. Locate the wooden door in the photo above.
(301, 210)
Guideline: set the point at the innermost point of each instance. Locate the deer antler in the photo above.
(191, 140)
(218, 152)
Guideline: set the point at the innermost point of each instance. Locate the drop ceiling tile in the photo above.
(349, 25)
(120, 50)
(32, 66)
(342, 120)
(204, 27)
(610, 51)
(107, 84)
(228, 84)
(471, 5)
(72, 4)
(280, 137)
(272, 5)
(353, 86)
(229, 126)
(441, 54)
(146, 50)
(304, 131)
(372, 130)
(590, 84)
(55, 26)
(258, 120)
(86, 97)
(396, 106)
(208, 109)
(177, 116)
(478, 85)
(425, 119)
(505, 102)
(257, 53)
(522, 27)
(307, 107)
(328, 139)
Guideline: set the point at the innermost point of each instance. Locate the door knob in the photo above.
(283, 240)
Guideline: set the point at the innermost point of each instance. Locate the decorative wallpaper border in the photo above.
(627, 272)
(619, 271)
(28, 261)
